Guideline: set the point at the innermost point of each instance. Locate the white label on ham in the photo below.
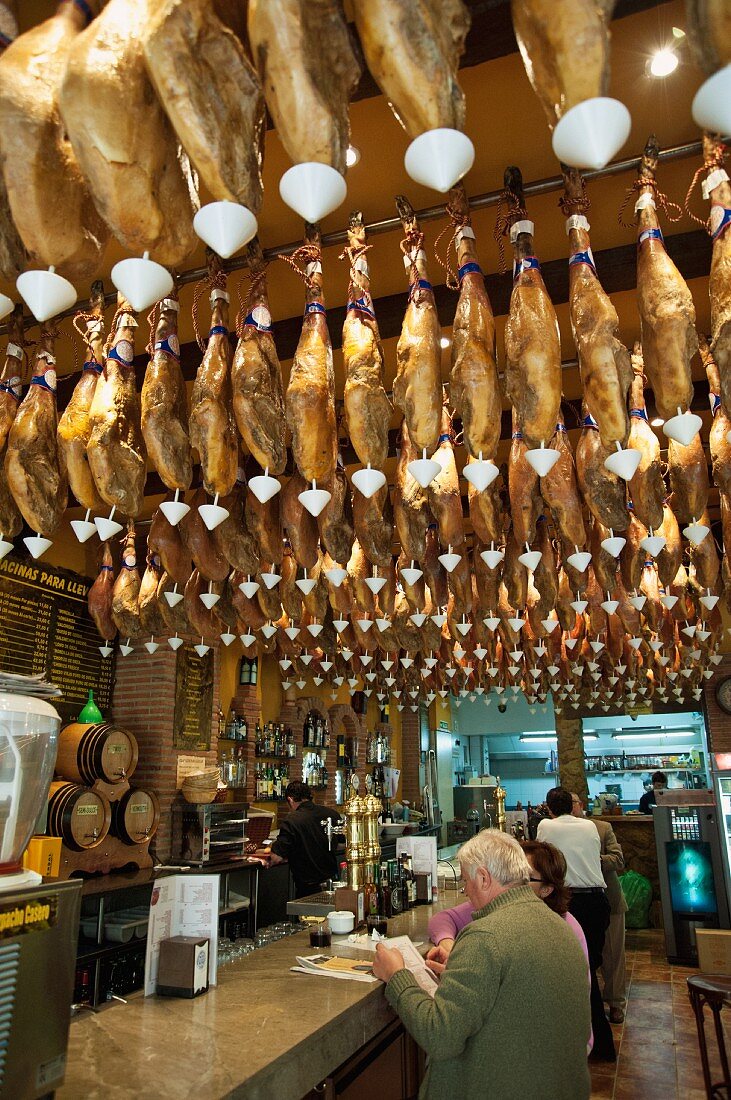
(261, 317)
(15, 351)
(94, 325)
(217, 294)
(644, 200)
(125, 351)
(361, 264)
(13, 385)
(577, 221)
(462, 232)
(716, 217)
(524, 226)
(47, 356)
(314, 268)
(170, 303)
(414, 257)
(713, 179)
(127, 321)
(129, 561)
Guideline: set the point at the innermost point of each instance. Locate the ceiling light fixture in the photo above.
(643, 735)
(444, 342)
(352, 156)
(663, 62)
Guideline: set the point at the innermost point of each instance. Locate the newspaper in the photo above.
(336, 966)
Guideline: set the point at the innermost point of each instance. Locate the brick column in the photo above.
(144, 703)
(410, 755)
(718, 723)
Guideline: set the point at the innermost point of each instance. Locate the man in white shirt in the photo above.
(579, 842)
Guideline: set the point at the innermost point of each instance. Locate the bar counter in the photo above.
(262, 1032)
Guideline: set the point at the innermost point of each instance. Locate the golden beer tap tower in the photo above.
(362, 845)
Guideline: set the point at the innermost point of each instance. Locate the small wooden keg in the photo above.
(135, 816)
(79, 816)
(87, 752)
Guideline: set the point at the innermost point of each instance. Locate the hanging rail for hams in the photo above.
(430, 213)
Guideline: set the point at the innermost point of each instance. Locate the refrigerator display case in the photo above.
(722, 789)
(691, 870)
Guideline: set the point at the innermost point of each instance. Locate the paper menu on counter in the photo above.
(182, 905)
(415, 963)
(423, 852)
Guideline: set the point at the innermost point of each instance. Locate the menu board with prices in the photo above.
(45, 627)
(193, 699)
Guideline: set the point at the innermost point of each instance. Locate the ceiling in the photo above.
(507, 126)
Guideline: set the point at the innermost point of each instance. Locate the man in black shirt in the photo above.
(302, 841)
(649, 799)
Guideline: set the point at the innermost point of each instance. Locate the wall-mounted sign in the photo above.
(45, 627)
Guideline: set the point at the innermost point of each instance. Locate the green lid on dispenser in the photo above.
(91, 712)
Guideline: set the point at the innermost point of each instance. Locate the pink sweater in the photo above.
(449, 922)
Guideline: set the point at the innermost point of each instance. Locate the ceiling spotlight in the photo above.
(663, 62)
(352, 156)
(657, 422)
(444, 342)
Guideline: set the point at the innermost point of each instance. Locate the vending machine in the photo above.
(691, 869)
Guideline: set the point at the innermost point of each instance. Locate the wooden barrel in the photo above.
(87, 752)
(79, 816)
(135, 816)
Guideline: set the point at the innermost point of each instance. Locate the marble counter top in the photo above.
(263, 1033)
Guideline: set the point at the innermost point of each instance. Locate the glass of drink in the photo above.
(320, 935)
(377, 921)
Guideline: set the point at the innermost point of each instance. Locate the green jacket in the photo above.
(510, 1019)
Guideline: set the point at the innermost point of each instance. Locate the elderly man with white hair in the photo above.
(516, 964)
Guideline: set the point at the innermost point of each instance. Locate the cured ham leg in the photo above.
(688, 478)
(367, 408)
(116, 449)
(120, 134)
(33, 466)
(410, 505)
(412, 48)
(604, 362)
(560, 491)
(13, 258)
(646, 487)
(335, 521)
(199, 542)
(50, 203)
(310, 400)
(126, 592)
(667, 313)
(523, 489)
(166, 541)
(165, 403)
(474, 385)
(718, 190)
(373, 524)
(74, 426)
(603, 492)
(721, 426)
(212, 431)
(549, 40)
(100, 597)
(417, 388)
(443, 492)
(299, 525)
(309, 68)
(152, 621)
(217, 111)
(233, 539)
(256, 376)
(11, 379)
(532, 347)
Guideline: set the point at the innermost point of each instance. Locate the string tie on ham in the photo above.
(215, 280)
(661, 201)
(714, 159)
(509, 210)
(458, 218)
(305, 255)
(410, 246)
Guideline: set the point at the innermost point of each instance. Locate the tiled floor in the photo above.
(657, 1046)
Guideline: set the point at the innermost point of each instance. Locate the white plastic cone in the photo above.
(336, 575)
(142, 281)
(106, 650)
(213, 515)
(174, 510)
(45, 293)
(492, 557)
(173, 598)
(530, 559)
(249, 588)
(610, 606)
(638, 601)
(412, 574)
(209, 599)
(449, 560)
(418, 619)
(683, 428)
(152, 646)
(291, 632)
(264, 486)
(247, 639)
(126, 649)
(37, 545)
(5, 547)
(423, 470)
(542, 459)
(312, 190)
(201, 649)
(6, 306)
(271, 580)
(668, 600)
(592, 132)
(623, 462)
(375, 584)
(711, 107)
(440, 157)
(653, 544)
(368, 481)
(580, 560)
(579, 606)
(614, 545)
(306, 584)
(480, 473)
(107, 526)
(225, 227)
(83, 528)
(227, 637)
(696, 532)
(314, 499)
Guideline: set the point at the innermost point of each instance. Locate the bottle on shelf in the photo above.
(242, 733)
(405, 892)
(384, 903)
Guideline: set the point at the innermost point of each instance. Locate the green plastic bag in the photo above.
(638, 893)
